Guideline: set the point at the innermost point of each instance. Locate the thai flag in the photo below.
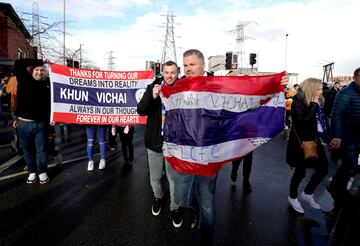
(210, 121)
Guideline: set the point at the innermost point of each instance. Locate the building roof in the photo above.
(9, 11)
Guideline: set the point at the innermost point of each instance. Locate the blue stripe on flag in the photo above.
(202, 127)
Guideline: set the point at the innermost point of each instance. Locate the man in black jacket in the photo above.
(33, 114)
(346, 134)
(150, 105)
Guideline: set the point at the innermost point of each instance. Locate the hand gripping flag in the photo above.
(210, 121)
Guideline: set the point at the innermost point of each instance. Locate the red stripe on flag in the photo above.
(88, 119)
(194, 168)
(101, 74)
(245, 85)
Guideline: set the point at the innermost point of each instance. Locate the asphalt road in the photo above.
(113, 206)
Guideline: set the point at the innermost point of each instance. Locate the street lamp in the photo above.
(73, 55)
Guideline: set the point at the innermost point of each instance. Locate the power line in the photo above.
(169, 48)
(110, 60)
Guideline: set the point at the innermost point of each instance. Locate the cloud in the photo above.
(318, 30)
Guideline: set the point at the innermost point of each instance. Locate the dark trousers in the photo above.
(246, 165)
(126, 143)
(112, 139)
(349, 153)
(287, 118)
(321, 170)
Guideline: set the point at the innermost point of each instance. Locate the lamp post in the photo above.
(73, 55)
(286, 41)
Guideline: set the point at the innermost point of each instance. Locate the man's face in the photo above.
(357, 78)
(170, 74)
(193, 66)
(38, 73)
(338, 86)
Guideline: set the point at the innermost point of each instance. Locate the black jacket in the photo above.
(346, 111)
(33, 96)
(150, 107)
(304, 123)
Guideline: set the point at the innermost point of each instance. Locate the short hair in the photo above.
(337, 82)
(296, 85)
(356, 72)
(170, 63)
(194, 52)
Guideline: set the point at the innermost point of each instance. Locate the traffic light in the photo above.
(157, 68)
(69, 62)
(76, 64)
(235, 59)
(228, 60)
(252, 59)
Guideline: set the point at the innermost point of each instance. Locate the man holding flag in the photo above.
(212, 121)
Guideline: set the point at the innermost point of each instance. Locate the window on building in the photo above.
(20, 53)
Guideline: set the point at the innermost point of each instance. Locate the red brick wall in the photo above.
(12, 40)
(3, 35)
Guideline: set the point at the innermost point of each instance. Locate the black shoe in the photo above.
(233, 176)
(156, 207)
(194, 219)
(112, 148)
(247, 186)
(177, 217)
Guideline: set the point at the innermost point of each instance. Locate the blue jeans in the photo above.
(204, 189)
(32, 136)
(91, 133)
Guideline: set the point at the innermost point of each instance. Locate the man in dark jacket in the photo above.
(346, 134)
(150, 105)
(33, 113)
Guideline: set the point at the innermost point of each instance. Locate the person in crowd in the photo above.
(247, 164)
(289, 94)
(126, 134)
(11, 88)
(4, 100)
(202, 188)
(346, 136)
(306, 113)
(91, 132)
(151, 106)
(195, 191)
(329, 96)
(33, 116)
(112, 138)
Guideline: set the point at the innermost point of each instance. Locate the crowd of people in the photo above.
(315, 116)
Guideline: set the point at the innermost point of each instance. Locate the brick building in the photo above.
(14, 39)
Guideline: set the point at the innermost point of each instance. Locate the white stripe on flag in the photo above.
(214, 153)
(217, 101)
(80, 82)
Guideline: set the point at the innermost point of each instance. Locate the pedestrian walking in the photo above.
(91, 132)
(307, 127)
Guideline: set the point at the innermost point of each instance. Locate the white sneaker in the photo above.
(43, 178)
(31, 179)
(295, 204)
(102, 164)
(310, 199)
(91, 165)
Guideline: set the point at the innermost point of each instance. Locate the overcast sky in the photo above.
(320, 31)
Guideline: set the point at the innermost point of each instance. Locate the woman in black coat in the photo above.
(305, 113)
